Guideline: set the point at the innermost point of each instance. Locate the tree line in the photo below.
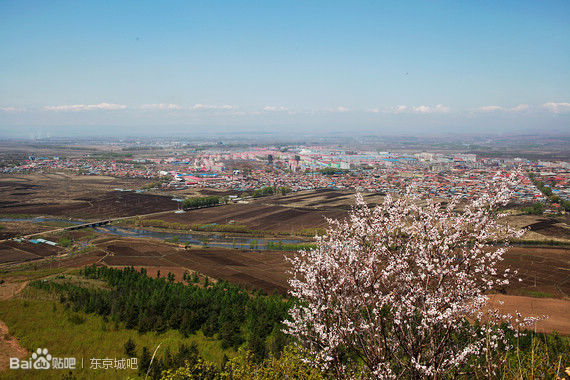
(195, 202)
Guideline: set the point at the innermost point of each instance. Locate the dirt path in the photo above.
(9, 345)
(9, 348)
(10, 289)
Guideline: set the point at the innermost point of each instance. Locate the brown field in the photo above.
(12, 255)
(542, 270)
(555, 311)
(258, 216)
(256, 269)
(14, 229)
(542, 227)
(309, 209)
(289, 214)
(13, 252)
(94, 256)
(81, 197)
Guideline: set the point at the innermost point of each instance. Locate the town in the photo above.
(296, 168)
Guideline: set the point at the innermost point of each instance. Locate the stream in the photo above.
(205, 239)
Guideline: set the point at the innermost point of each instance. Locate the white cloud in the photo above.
(374, 110)
(422, 109)
(86, 107)
(519, 108)
(275, 108)
(557, 107)
(161, 107)
(10, 109)
(489, 108)
(332, 109)
(399, 109)
(199, 106)
(440, 108)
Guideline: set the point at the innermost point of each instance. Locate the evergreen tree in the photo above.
(130, 347)
(144, 361)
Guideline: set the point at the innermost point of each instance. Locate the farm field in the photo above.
(284, 214)
(81, 197)
(544, 271)
(264, 270)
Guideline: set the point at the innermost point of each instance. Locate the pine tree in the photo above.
(144, 361)
(130, 347)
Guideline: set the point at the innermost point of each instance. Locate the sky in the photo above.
(383, 67)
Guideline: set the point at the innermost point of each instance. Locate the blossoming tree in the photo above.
(390, 290)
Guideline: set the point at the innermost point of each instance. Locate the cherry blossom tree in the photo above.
(393, 291)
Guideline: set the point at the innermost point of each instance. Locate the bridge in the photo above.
(91, 224)
(87, 225)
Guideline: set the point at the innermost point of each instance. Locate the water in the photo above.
(209, 239)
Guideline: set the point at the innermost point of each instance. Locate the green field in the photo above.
(37, 319)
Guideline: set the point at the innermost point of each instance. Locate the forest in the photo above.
(219, 309)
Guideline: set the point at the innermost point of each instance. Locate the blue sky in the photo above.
(414, 66)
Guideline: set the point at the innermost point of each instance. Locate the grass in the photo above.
(16, 216)
(545, 242)
(537, 294)
(279, 246)
(26, 271)
(225, 228)
(311, 232)
(38, 320)
(57, 224)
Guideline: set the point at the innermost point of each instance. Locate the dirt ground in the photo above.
(256, 269)
(542, 270)
(81, 197)
(540, 227)
(309, 209)
(555, 311)
(259, 216)
(287, 214)
(545, 271)
(13, 252)
(9, 345)
(14, 229)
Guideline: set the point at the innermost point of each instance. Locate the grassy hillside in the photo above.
(39, 320)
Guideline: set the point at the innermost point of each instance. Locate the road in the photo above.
(91, 224)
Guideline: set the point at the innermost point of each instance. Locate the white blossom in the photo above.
(393, 284)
